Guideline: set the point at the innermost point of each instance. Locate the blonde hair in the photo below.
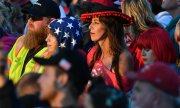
(141, 11)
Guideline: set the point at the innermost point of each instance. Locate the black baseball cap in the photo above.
(71, 62)
(44, 8)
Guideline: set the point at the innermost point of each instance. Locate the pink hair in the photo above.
(159, 41)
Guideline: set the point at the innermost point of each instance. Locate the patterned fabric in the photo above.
(100, 69)
(68, 32)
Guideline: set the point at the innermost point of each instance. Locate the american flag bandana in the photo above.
(68, 32)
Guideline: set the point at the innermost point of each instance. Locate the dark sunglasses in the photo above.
(35, 18)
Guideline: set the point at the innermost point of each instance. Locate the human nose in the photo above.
(90, 26)
(143, 52)
(47, 38)
(30, 19)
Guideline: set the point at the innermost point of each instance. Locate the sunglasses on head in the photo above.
(35, 18)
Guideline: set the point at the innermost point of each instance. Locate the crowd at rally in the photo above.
(89, 53)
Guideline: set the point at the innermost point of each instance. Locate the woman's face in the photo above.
(52, 43)
(97, 29)
(148, 56)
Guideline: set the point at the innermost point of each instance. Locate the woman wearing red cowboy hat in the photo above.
(109, 58)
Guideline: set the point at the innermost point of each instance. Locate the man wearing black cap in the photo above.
(65, 76)
(33, 43)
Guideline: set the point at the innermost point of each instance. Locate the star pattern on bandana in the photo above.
(70, 28)
(60, 21)
(66, 35)
(79, 24)
(72, 18)
(57, 31)
(62, 45)
(73, 42)
(69, 25)
(77, 32)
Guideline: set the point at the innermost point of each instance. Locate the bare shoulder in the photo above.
(125, 62)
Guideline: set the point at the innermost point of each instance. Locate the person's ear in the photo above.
(62, 79)
(52, 19)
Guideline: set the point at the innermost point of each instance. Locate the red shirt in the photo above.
(100, 69)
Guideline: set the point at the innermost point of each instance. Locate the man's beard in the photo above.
(34, 39)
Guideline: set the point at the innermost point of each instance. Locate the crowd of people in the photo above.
(89, 53)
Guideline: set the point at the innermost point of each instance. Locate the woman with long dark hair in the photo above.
(109, 58)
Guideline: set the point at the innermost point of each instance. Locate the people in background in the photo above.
(173, 7)
(156, 86)
(65, 75)
(144, 19)
(33, 43)
(156, 45)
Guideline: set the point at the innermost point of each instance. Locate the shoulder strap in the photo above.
(29, 56)
(37, 66)
(91, 54)
(19, 45)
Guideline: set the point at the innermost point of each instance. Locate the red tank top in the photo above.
(100, 69)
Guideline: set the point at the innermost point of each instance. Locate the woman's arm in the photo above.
(125, 63)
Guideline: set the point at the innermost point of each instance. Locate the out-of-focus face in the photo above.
(148, 56)
(52, 43)
(142, 96)
(169, 4)
(97, 29)
(47, 84)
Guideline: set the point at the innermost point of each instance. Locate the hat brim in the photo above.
(33, 12)
(123, 17)
(43, 61)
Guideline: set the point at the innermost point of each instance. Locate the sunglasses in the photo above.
(35, 18)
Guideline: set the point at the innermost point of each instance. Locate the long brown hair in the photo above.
(115, 33)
